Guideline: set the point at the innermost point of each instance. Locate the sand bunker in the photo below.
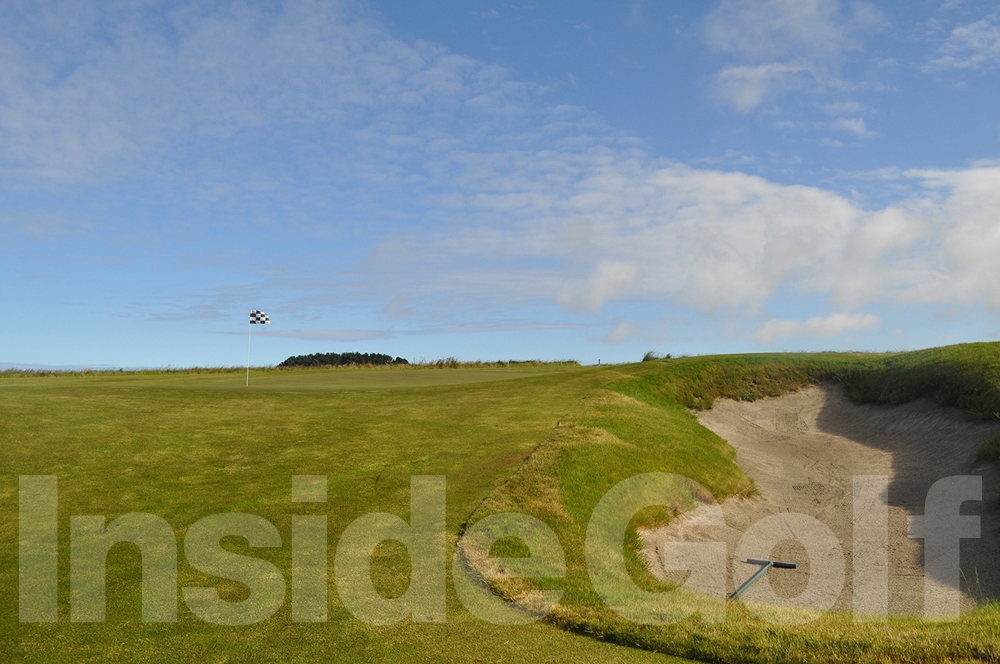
(803, 451)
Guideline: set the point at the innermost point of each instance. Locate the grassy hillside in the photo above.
(536, 440)
(640, 423)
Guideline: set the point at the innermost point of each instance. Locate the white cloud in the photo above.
(885, 231)
(746, 88)
(971, 46)
(844, 108)
(732, 157)
(735, 156)
(829, 326)
(610, 280)
(768, 29)
(877, 262)
(780, 41)
(854, 126)
(623, 332)
(967, 228)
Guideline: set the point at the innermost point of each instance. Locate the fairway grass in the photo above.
(549, 444)
(325, 379)
(157, 445)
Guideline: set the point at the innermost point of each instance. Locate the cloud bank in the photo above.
(821, 327)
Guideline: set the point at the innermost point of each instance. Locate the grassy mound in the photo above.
(967, 376)
(639, 422)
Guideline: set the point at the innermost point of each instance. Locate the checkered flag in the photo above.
(259, 317)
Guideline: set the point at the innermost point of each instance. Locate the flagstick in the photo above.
(249, 327)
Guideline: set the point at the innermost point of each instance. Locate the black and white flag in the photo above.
(259, 317)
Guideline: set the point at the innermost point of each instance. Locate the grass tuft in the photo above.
(990, 451)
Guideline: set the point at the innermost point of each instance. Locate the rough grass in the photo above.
(831, 637)
(990, 450)
(966, 375)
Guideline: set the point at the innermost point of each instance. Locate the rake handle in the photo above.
(765, 565)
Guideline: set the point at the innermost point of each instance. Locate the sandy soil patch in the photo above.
(804, 450)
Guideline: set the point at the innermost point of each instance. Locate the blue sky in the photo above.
(486, 180)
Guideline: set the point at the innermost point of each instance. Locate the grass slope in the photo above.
(640, 423)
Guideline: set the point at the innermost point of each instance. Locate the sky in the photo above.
(559, 180)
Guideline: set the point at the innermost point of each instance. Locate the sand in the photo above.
(804, 450)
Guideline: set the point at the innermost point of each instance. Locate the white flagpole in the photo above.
(249, 327)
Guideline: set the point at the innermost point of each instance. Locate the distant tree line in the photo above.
(340, 359)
